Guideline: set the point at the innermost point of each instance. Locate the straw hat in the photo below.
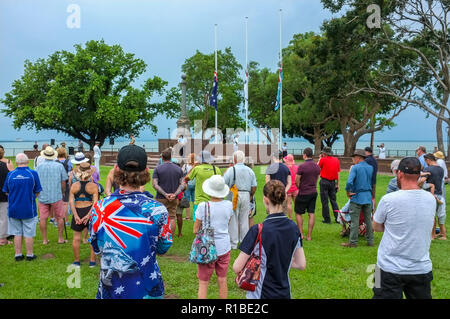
(439, 154)
(215, 186)
(49, 153)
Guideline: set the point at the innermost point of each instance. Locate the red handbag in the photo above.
(248, 277)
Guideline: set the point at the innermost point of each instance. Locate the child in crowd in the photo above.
(220, 212)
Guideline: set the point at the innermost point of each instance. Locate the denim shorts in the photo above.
(22, 227)
(189, 193)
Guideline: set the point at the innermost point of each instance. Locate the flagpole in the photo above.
(281, 92)
(246, 75)
(215, 58)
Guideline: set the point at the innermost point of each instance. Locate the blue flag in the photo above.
(280, 81)
(213, 97)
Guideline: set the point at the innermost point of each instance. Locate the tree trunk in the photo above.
(349, 144)
(372, 134)
(439, 136)
(317, 140)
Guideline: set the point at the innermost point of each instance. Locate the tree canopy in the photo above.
(88, 94)
(199, 70)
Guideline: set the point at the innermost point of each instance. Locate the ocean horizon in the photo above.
(394, 148)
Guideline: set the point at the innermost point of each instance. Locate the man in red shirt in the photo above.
(329, 183)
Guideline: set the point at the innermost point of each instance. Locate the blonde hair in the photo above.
(62, 152)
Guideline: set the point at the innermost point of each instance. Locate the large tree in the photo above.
(304, 94)
(88, 94)
(418, 33)
(199, 70)
(353, 59)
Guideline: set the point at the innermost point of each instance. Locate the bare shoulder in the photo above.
(75, 188)
(91, 188)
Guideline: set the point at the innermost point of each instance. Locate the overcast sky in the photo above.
(164, 33)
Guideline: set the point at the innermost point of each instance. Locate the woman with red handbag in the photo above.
(278, 246)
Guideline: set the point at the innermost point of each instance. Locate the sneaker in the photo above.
(30, 258)
(76, 263)
(92, 264)
(326, 222)
(19, 258)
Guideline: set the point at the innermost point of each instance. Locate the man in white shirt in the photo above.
(406, 217)
(245, 180)
(382, 149)
(97, 156)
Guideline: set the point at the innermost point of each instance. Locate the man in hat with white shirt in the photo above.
(53, 177)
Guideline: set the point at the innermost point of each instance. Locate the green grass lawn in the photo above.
(331, 272)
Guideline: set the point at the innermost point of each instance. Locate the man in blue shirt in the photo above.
(359, 190)
(22, 186)
(421, 151)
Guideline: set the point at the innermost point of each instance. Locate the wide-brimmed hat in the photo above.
(49, 153)
(205, 157)
(79, 158)
(289, 159)
(215, 187)
(361, 153)
(85, 166)
(439, 155)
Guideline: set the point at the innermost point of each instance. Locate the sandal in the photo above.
(45, 242)
(63, 242)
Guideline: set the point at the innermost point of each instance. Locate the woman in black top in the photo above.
(83, 195)
(281, 247)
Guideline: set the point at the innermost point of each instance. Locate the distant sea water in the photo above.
(393, 148)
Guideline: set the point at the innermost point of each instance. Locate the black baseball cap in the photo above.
(410, 165)
(132, 158)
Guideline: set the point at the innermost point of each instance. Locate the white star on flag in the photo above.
(153, 275)
(138, 283)
(145, 260)
(119, 290)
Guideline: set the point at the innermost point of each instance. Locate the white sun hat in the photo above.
(79, 158)
(215, 186)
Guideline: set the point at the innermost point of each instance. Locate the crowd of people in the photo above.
(130, 226)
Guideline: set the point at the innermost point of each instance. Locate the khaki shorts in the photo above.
(171, 206)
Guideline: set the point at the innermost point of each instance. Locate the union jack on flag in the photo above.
(113, 218)
(213, 97)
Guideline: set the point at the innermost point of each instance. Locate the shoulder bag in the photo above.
(248, 277)
(203, 250)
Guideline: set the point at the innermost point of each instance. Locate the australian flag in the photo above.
(280, 82)
(213, 97)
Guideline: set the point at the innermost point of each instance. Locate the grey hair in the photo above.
(239, 156)
(21, 158)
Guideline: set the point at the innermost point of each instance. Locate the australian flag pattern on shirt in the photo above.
(128, 230)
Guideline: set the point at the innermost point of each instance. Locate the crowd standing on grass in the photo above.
(129, 227)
